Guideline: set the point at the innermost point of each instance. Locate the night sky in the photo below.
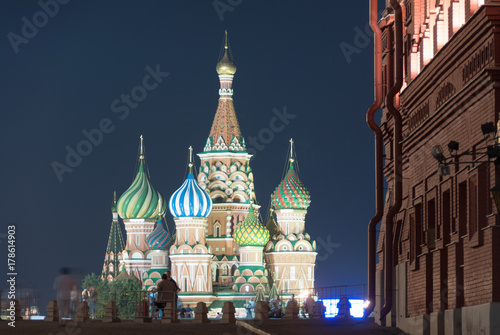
(310, 60)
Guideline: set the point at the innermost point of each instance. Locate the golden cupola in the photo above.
(225, 66)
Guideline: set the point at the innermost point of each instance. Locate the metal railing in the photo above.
(331, 292)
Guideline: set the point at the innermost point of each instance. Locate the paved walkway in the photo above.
(275, 327)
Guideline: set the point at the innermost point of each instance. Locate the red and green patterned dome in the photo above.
(291, 193)
(250, 232)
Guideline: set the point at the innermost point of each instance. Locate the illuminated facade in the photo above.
(436, 81)
(220, 250)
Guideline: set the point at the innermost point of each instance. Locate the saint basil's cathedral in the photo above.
(219, 250)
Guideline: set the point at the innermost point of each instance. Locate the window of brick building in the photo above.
(447, 224)
(462, 209)
(473, 205)
(415, 235)
(431, 223)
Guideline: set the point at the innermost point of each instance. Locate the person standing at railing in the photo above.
(308, 306)
(93, 302)
(276, 307)
(167, 288)
(85, 295)
(73, 300)
(63, 284)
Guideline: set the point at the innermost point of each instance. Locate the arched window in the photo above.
(217, 231)
(137, 240)
(214, 272)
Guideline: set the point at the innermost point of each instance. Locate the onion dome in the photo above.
(190, 200)
(250, 232)
(141, 200)
(225, 65)
(159, 239)
(291, 193)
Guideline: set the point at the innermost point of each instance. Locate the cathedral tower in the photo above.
(111, 268)
(159, 241)
(139, 208)
(225, 174)
(290, 254)
(251, 237)
(190, 256)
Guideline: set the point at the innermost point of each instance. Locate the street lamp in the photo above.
(437, 153)
(492, 151)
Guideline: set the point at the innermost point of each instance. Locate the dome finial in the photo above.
(190, 159)
(113, 208)
(291, 152)
(142, 149)
(225, 39)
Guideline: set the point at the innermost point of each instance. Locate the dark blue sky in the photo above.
(64, 78)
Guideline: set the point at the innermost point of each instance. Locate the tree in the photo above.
(128, 292)
(125, 291)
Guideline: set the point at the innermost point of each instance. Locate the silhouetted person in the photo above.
(188, 311)
(73, 300)
(275, 306)
(167, 287)
(309, 306)
(344, 307)
(63, 284)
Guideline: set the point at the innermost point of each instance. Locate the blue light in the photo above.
(356, 311)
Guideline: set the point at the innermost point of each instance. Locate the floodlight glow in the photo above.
(331, 307)
(366, 304)
(304, 293)
(357, 309)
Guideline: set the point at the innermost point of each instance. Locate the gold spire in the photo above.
(114, 198)
(225, 66)
(291, 151)
(190, 159)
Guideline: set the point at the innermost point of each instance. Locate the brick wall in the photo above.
(444, 230)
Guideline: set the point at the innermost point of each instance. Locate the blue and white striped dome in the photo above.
(190, 200)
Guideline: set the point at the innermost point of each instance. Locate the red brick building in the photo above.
(437, 76)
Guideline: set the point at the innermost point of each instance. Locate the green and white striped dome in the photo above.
(141, 200)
